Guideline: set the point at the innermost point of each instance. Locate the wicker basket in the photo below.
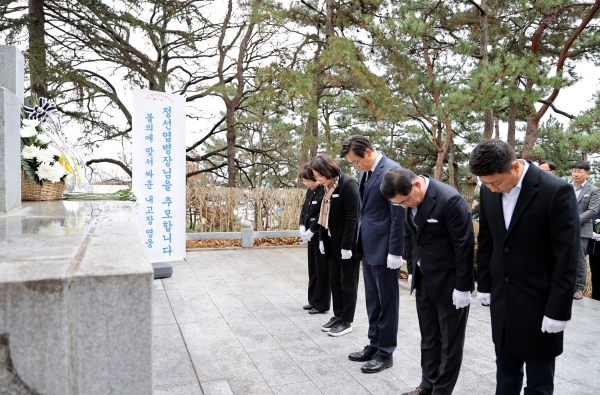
(32, 191)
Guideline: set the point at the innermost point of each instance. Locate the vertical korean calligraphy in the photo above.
(159, 172)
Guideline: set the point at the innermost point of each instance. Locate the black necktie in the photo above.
(366, 177)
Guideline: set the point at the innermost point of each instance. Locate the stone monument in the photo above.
(75, 284)
(11, 99)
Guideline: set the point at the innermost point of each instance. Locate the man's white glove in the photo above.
(394, 261)
(308, 235)
(596, 236)
(484, 298)
(321, 247)
(461, 299)
(346, 254)
(410, 280)
(302, 230)
(553, 326)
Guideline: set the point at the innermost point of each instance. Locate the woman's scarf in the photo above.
(326, 203)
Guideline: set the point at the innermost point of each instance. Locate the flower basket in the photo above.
(31, 191)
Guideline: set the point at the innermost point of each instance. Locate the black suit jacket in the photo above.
(381, 225)
(343, 217)
(530, 268)
(444, 242)
(309, 216)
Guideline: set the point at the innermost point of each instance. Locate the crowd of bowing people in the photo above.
(534, 228)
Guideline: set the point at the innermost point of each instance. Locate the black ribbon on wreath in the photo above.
(41, 111)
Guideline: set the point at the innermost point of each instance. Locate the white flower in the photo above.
(45, 155)
(58, 171)
(45, 172)
(30, 122)
(54, 149)
(28, 131)
(30, 151)
(44, 139)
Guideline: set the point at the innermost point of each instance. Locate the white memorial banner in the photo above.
(158, 122)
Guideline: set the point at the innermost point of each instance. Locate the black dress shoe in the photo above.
(366, 354)
(378, 364)
(315, 311)
(307, 307)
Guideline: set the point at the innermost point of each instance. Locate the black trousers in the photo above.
(595, 269)
(344, 274)
(319, 288)
(509, 375)
(443, 330)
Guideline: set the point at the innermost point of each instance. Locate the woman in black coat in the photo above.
(319, 290)
(593, 250)
(337, 240)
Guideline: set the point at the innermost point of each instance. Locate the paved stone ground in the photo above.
(231, 322)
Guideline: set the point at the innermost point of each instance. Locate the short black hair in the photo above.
(305, 172)
(326, 166)
(491, 156)
(550, 164)
(581, 164)
(357, 144)
(397, 181)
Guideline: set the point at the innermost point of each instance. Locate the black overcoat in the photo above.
(530, 268)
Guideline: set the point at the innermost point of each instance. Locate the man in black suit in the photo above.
(379, 243)
(439, 244)
(528, 247)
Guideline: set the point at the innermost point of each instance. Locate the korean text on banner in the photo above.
(159, 172)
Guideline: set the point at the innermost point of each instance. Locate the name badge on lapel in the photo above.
(335, 195)
(314, 202)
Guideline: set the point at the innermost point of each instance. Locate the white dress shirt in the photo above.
(578, 189)
(379, 156)
(509, 199)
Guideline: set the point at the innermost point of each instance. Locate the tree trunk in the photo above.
(451, 179)
(531, 136)
(497, 128)
(37, 49)
(512, 123)
(231, 173)
(488, 124)
(488, 116)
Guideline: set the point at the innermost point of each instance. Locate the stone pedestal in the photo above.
(10, 150)
(247, 238)
(11, 70)
(75, 300)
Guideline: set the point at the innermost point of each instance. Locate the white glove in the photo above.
(596, 236)
(394, 261)
(346, 254)
(308, 235)
(321, 247)
(301, 232)
(553, 326)
(410, 280)
(461, 299)
(484, 298)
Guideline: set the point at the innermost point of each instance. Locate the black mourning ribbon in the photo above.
(41, 111)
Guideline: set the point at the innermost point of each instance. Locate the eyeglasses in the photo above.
(403, 203)
(318, 176)
(355, 163)
(578, 171)
(305, 182)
